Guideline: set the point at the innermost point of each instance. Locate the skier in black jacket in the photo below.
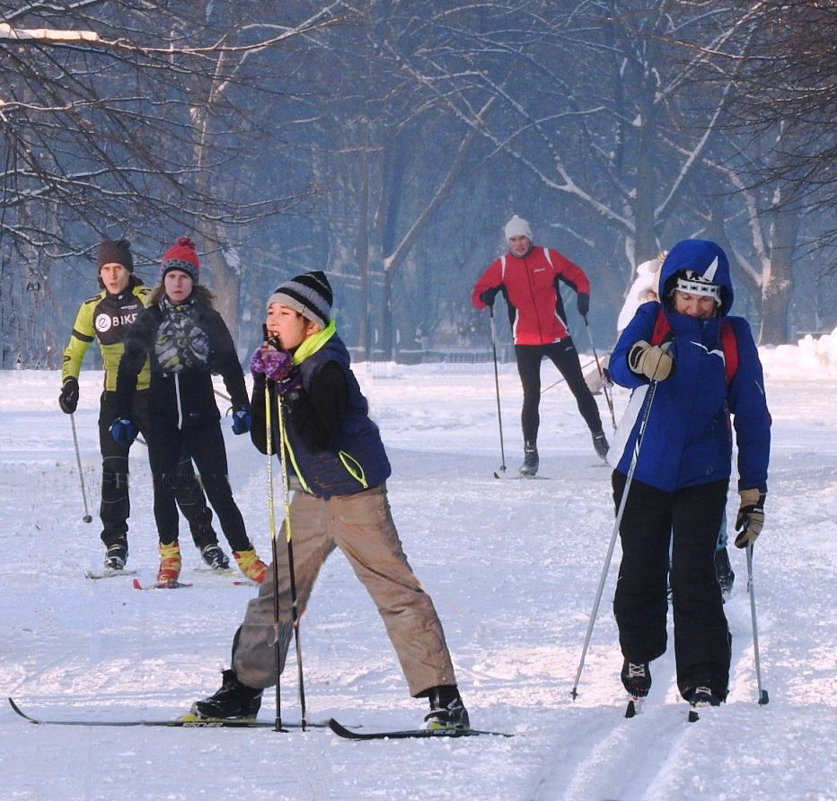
(186, 340)
(106, 318)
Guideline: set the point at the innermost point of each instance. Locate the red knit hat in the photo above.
(181, 256)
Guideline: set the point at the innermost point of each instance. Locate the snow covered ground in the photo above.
(513, 568)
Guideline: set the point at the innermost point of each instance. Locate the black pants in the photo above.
(687, 519)
(206, 446)
(565, 357)
(115, 508)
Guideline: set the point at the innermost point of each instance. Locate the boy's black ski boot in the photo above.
(234, 701)
(447, 712)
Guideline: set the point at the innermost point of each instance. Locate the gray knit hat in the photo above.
(309, 294)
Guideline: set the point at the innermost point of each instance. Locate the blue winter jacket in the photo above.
(688, 439)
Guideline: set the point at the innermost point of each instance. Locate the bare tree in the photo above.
(110, 126)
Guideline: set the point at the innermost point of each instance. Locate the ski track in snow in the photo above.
(512, 567)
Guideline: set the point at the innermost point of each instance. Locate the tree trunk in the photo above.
(777, 283)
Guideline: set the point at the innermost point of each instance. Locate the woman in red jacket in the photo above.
(528, 277)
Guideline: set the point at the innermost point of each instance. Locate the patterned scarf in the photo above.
(181, 344)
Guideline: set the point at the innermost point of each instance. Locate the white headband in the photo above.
(694, 284)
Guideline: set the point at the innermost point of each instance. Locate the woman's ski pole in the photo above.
(652, 388)
(763, 697)
(87, 518)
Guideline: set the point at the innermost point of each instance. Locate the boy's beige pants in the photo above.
(361, 527)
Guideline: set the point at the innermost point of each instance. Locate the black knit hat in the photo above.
(309, 294)
(115, 252)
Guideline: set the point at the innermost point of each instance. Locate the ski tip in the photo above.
(634, 707)
(20, 712)
(137, 584)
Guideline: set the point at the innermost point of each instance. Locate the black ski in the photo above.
(178, 723)
(407, 734)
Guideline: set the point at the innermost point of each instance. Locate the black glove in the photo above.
(487, 296)
(750, 518)
(652, 361)
(583, 302)
(68, 399)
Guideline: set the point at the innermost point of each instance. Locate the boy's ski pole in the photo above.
(271, 521)
(763, 697)
(497, 387)
(652, 388)
(289, 540)
(87, 518)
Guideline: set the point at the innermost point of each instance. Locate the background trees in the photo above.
(387, 142)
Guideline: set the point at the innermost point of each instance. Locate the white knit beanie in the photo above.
(517, 226)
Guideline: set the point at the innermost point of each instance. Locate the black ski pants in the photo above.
(206, 445)
(687, 519)
(115, 508)
(565, 357)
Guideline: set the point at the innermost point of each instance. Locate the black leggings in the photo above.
(565, 357)
(206, 445)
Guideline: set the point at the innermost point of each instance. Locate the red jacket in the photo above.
(530, 286)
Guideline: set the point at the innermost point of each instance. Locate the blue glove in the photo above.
(124, 431)
(241, 420)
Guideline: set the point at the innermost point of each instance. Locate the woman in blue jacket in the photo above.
(690, 367)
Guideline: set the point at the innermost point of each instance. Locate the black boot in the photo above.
(723, 570)
(234, 701)
(636, 678)
(600, 444)
(447, 712)
(530, 460)
(215, 557)
(117, 555)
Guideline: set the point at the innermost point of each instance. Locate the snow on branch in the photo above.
(46, 34)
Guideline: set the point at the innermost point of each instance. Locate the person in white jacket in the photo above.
(644, 288)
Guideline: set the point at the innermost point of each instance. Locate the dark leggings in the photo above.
(565, 357)
(206, 444)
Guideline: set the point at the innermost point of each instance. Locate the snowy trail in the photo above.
(512, 566)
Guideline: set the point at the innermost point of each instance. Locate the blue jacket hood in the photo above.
(703, 257)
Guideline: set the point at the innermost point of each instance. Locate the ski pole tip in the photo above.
(764, 699)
